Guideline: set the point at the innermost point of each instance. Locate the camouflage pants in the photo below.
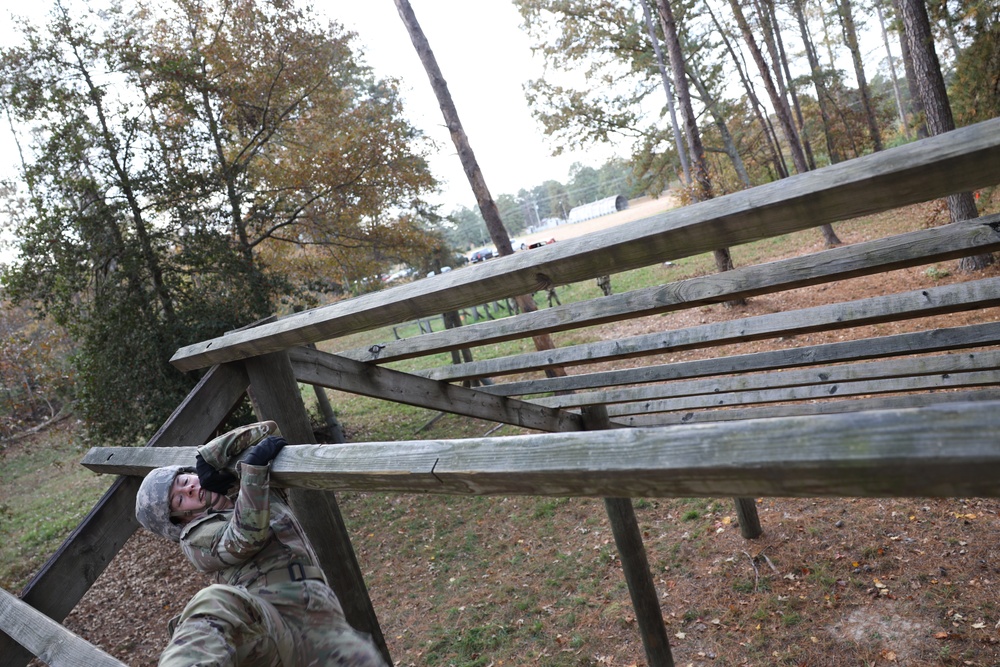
(288, 625)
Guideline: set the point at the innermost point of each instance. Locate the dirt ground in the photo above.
(830, 582)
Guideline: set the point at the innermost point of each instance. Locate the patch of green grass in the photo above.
(791, 618)
(44, 494)
(471, 646)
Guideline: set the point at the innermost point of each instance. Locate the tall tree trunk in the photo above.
(487, 206)
(712, 104)
(822, 94)
(780, 104)
(830, 237)
(892, 70)
(781, 108)
(939, 117)
(851, 39)
(780, 168)
(782, 57)
(671, 105)
(703, 183)
(916, 103)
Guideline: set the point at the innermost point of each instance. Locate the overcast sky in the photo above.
(486, 59)
(483, 56)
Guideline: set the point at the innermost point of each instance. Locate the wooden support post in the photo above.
(275, 394)
(635, 565)
(746, 512)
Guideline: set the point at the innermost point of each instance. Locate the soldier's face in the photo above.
(188, 499)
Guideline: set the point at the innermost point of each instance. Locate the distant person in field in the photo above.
(270, 605)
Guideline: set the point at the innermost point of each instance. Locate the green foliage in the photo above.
(43, 495)
(181, 171)
(974, 91)
(465, 229)
(36, 379)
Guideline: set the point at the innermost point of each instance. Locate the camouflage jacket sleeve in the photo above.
(225, 539)
(218, 451)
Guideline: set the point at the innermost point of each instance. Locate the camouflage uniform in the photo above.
(270, 604)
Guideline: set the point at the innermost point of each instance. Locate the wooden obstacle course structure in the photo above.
(919, 418)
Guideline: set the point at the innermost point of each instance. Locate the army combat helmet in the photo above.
(152, 502)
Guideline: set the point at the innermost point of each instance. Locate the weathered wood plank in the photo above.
(72, 570)
(916, 342)
(328, 370)
(810, 393)
(805, 409)
(892, 307)
(944, 451)
(824, 378)
(50, 642)
(964, 159)
(910, 249)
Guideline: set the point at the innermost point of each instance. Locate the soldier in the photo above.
(270, 604)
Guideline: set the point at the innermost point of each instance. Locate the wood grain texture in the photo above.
(810, 393)
(893, 307)
(964, 159)
(50, 642)
(823, 380)
(943, 450)
(328, 370)
(917, 342)
(806, 409)
(913, 248)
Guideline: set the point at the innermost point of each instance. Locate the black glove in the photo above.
(264, 451)
(218, 481)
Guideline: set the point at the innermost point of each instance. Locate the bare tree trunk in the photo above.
(671, 105)
(822, 94)
(851, 39)
(830, 237)
(781, 169)
(892, 70)
(781, 108)
(781, 57)
(487, 206)
(712, 104)
(703, 183)
(935, 98)
(916, 103)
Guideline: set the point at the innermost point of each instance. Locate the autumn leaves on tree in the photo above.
(186, 165)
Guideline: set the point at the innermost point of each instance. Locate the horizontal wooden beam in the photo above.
(53, 644)
(893, 307)
(914, 342)
(807, 409)
(911, 249)
(964, 159)
(828, 380)
(312, 366)
(810, 393)
(943, 451)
